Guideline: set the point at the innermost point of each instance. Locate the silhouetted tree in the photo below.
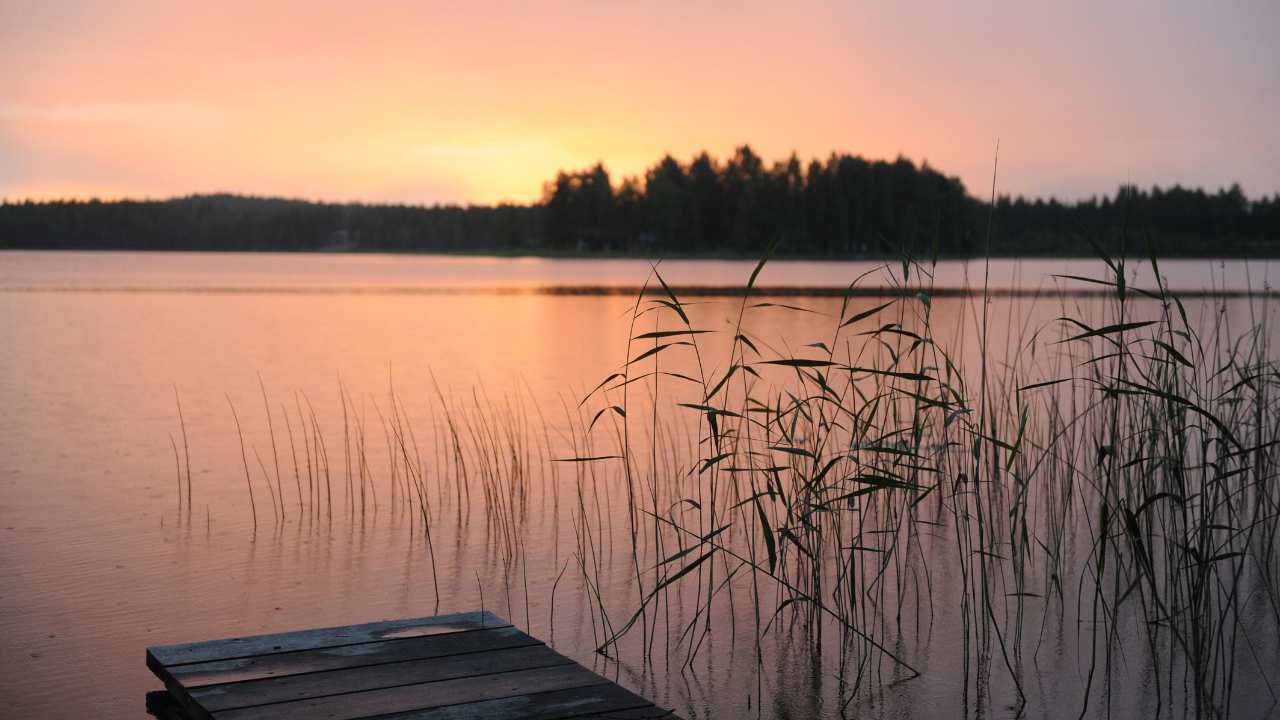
(843, 206)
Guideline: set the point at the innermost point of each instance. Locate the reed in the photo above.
(253, 505)
(812, 473)
(186, 447)
(1105, 480)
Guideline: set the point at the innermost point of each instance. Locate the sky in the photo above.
(481, 102)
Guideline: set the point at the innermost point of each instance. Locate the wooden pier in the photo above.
(468, 665)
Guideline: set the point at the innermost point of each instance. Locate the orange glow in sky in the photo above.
(424, 103)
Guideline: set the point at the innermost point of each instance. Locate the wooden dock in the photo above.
(468, 665)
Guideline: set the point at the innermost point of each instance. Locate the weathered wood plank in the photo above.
(467, 665)
(423, 695)
(259, 667)
(162, 706)
(166, 655)
(653, 712)
(607, 700)
(348, 680)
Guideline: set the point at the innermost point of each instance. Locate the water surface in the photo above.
(98, 559)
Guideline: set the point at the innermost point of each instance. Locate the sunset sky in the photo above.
(436, 102)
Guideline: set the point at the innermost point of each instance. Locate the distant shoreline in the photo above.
(846, 208)
(701, 291)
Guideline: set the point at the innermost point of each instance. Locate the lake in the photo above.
(413, 432)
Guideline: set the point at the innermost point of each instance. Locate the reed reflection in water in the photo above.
(412, 469)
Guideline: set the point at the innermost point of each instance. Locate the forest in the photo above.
(842, 207)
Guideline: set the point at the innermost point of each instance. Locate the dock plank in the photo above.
(352, 706)
(598, 701)
(374, 677)
(322, 637)
(162, 706)
(271, 665)
(466, 665)
(652, 712)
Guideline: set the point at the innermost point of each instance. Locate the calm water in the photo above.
(98, 560)
(391, 273)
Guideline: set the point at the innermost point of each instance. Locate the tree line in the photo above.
(843, 206)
